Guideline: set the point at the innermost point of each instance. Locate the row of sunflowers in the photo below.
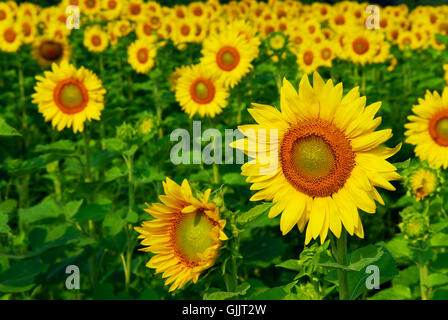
(116, 79)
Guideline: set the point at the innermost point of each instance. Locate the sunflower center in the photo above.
(326, 54)
(190, 235)
(442, 128)
(96, 40)
(51, 50)
(142, 55)
(112, 4)
(202, 91)
(9, 35)
(147, 29)
(228, 58)
(135, 9)
(438, 128)
(308, 57)
(71, 96)
(316, 158)
(313, 157)
(90, 4)
(360, 45)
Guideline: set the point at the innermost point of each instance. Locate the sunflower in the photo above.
(185, 235)
(361, 46)
(68, 96)
(111, 8)
(122, 28)
(175, 75)
(228, 55)
(199, 91)
(95, 39)
(5, 12)
(141, 55)
(428, 128)
(308, 58)
(29, 30)
(11, 36)
(322, 161)
(134, 10)
(48, 50)
(90, 7)
(423, 183)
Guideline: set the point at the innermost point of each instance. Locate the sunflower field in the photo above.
(246, 150)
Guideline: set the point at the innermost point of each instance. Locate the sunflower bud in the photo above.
(415, 226)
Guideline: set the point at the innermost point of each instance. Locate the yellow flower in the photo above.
(323, 160)
(111, 8)
(362, 46)
(428, 128)
(141, 55)
(134, 10)
(200, 91)
(5, 12)
(29, 29)
(229, 56)
(185, 235)
(68, 96)
(48, 50)
(10, 36)
(423, 183)
(90, 7)
(95, 39)
(307, 58)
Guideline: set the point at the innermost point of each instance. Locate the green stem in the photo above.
(423, 271)
(88, 177)
(339, 250)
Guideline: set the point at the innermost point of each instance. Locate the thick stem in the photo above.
(423, 271)
(340, 255)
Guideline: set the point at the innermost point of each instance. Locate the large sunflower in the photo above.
(185, 235)
(199, 91)
(229, 55)
(68, 96)
(141, 55)
(50, 49)
(325, 161)
(428, 129)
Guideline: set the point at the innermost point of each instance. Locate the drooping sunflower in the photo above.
(423, 183)
(428, 128)
(141, 55)
(68, 96)
(199, 91)
(50, 49)
(228, 55)
(10, 36)
(95, 39)
(185, 235)
(322, 161)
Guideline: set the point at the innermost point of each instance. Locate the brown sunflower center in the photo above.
(308, 57)
(71, 96)
(438, 128)
(112, 4)
(9, 35)
(51, 50)
(135, 9)
(190, 236)
(228, 58)
(96, 40)
(316, 158)
(326, 54)
(361, 45)
(90, 4)
(142, 55)
(202, 91)
(185, 30)
(2, 15)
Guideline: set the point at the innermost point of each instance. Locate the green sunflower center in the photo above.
(442, 128)
(71, 96)
(191, 235)
(313, 157)
(201, 90)
(228, 58)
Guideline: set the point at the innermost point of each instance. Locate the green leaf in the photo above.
(4, 228)
(46, 209)
(437, 280)
(21, 276)
(6, 130)
(234, 179)
(61, 146)
(439, 240)
(398, 292)
(253, 213)
(365, 256)
(276, 293)
(291, 264)
(223, 295)
(94, 211)
(113, 223)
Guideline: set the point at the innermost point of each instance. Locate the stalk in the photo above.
(423, 272)
(339, 250)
